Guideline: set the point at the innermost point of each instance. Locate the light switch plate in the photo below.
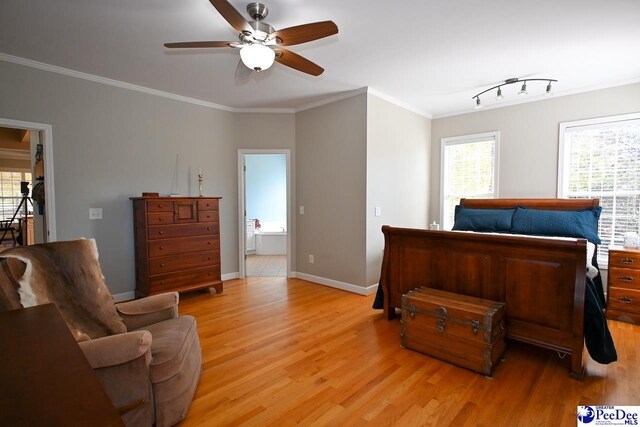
(301, 210)
(95, 213)
(378, 211)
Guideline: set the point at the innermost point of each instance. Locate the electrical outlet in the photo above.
(378, 211)
(312, 259)
(95, 213)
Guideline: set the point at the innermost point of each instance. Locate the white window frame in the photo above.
(563, 156)
(468, 139)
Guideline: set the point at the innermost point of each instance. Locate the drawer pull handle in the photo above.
(625, 300)
(162, 282)
(162, 264)
(161, 247)
(209, 258)
(626, 260)
(160, 219)
(161, 232)
(210, 273)
(625, 278)
(208, 243)
(159, 206)
(208, 228)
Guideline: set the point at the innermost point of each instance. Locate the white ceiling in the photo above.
(431, 55)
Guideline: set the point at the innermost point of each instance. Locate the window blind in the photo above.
(602, 160)
(469, 171)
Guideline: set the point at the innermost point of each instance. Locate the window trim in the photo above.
(468, 139)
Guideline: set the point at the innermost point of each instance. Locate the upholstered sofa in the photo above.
(147, 357)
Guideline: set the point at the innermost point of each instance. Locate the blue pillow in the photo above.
(469, 219)
(577, 223)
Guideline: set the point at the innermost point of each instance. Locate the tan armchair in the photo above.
(147, 357)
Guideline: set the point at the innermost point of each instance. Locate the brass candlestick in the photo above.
(200, 182)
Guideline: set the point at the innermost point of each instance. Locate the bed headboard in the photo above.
(552, 204)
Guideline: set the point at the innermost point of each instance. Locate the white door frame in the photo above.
(242, 228)
(47, 141)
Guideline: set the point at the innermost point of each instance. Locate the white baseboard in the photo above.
(336, 284)
(125, 296)
(230, 276)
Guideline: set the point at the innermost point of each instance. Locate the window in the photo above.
(10, 195)
(469, 167)
(600, 158)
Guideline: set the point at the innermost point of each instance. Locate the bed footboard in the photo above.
(541, 280)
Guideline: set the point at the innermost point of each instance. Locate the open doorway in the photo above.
(264, 205)
(26, 203)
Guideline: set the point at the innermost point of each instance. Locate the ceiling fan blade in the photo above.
(198, 44)
(295, 61)
(305, 33)
(243, 73)
(231, 15)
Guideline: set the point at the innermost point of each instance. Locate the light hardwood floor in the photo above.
(283, 352)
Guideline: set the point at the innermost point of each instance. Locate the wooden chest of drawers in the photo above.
(623, 285)
(177, 244)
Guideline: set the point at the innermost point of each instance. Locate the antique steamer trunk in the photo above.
(459, 329)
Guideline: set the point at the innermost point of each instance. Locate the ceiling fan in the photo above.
(260, 44)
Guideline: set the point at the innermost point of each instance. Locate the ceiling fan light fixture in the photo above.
(257, 57)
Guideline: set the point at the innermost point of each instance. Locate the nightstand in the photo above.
(623, 285)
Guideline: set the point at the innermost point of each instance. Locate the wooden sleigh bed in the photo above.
(542, 280)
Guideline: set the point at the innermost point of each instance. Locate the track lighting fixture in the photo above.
(523, 89)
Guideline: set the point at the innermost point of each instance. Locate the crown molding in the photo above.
(265, 110)
(368, 90)
(397, 102)
(117, 83)
(332, 99)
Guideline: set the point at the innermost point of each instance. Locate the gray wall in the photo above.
(331, 185)
(110, 144)
(528, 138)
(269, 131)
(398, 150)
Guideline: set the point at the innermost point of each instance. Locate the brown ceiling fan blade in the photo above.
(305, 33)
(196, 45)
(231, 15)
(295, 61)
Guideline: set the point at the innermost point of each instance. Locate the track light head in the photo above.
(478, 104)
(548, 91)
(523, 90)
(499, 94)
